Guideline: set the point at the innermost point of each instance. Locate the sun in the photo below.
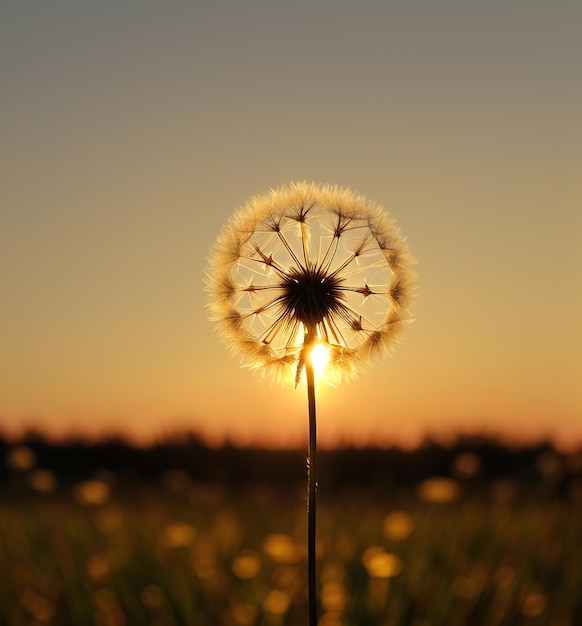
(319, 357)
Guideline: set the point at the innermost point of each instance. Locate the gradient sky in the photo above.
(131, 131)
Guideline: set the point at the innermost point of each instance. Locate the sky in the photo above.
(131, 132)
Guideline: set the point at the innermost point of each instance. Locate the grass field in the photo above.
(111, 551)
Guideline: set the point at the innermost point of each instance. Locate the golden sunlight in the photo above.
(319, 359)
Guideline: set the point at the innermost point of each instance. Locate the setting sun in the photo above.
(319, 357)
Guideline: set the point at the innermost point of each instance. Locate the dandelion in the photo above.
(310, 279)
(306, 265)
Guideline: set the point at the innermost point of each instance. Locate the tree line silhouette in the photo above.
(77, 459)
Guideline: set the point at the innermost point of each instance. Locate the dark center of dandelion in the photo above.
(311, 295)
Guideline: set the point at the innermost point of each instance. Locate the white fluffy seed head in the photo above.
(307, 262)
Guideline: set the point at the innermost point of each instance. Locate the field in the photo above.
(115, 549)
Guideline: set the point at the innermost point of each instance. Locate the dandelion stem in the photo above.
(312, 491)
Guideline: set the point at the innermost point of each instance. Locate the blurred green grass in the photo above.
(113, 551)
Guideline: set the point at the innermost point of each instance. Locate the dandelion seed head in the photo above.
(304, 264)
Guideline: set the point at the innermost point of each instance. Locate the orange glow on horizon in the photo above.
(109, 216)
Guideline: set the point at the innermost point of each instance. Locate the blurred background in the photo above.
(145, 477)
(472, 533)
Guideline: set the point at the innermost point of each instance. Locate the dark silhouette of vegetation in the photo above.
(76, 459)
